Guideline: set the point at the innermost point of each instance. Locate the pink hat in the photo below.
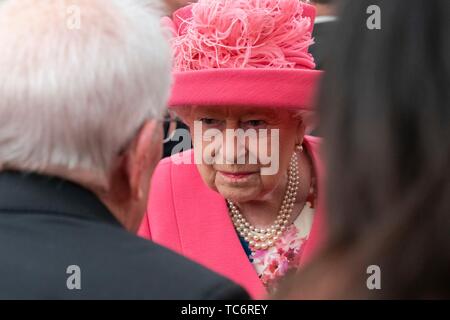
(244, 52)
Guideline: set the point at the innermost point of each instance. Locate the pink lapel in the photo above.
(206, 232)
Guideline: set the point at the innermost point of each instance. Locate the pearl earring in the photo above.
(299, 148)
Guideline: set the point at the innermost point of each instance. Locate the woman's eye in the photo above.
(255, 123)
(210, 121)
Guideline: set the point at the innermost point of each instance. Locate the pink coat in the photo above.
(186, 216)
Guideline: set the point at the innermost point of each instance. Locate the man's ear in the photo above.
(142, 157)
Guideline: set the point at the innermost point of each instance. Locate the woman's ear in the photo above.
(300, 132)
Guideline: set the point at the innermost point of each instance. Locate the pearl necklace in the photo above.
(265, 238)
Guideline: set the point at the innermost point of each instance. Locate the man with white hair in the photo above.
(83, 86)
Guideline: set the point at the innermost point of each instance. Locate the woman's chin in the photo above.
(238, 194)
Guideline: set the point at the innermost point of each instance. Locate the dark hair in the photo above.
(385, 117)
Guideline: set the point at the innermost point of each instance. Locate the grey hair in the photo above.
(74, 91)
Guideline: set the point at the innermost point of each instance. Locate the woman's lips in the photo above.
(236, 176)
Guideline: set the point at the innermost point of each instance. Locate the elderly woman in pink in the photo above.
(241, 66)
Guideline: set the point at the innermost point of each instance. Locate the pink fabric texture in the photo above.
(223, 48)
(191, 219)
(286, 88)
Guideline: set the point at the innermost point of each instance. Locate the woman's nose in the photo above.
(234, 145)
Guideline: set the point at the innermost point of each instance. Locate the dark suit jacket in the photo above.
(47, 225)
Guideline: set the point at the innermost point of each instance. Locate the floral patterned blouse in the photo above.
(276, 261)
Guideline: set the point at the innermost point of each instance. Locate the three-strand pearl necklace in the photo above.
(265, 238)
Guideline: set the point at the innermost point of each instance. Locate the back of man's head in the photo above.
(78, 79)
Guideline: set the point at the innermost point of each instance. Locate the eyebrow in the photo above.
(260, 112)
(206, 110)
(250, 111)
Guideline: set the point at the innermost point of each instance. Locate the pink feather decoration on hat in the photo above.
(241, 34)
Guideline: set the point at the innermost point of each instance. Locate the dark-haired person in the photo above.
(385, 112)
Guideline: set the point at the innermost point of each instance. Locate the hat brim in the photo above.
(269, 88)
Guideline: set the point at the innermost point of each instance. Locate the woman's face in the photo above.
(232, 173)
